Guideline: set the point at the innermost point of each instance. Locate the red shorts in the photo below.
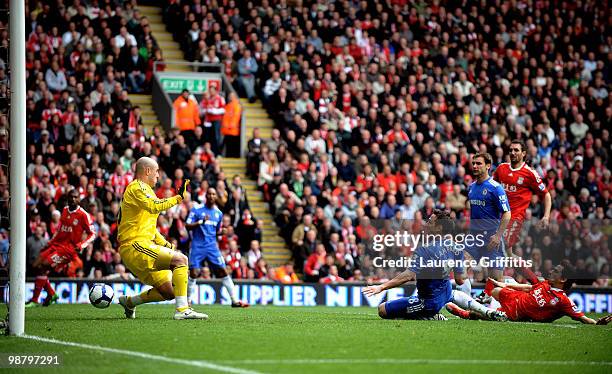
(58, 256)
(513, 231)
(508, 298)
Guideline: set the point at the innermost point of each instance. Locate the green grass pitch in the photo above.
(265, 339)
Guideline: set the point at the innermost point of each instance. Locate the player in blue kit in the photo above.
(489, 215)
(204, 221)
(431, 267)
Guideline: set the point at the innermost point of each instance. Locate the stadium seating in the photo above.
(368, 100)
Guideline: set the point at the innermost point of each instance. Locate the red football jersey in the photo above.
(72, 226)
(214, 108)
(519, 185)
(545, 304)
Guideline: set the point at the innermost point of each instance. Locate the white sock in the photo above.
(466, 287)
(228, 284)
(181, 302)
(466, 302)
(191, 287)
(494, 304)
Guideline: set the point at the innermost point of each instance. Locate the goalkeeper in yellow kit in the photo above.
(145, 251)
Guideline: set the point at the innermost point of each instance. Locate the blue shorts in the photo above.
(478, 252)
(199, 254)
(412, 307)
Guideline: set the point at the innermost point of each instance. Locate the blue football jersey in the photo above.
(488, 202)
(432, 266)
(206, 233)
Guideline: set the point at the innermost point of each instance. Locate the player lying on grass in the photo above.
(433, 284)
(205, 223)
(543, 301)
(145, 251)
(63, 248)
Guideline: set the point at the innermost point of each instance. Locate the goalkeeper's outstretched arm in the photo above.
(154, 205)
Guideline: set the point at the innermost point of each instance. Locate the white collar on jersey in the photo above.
(519, 168)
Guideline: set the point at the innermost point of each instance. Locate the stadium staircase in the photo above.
(273, 246)
(171, 50)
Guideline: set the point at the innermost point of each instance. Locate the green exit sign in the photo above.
(177, 85)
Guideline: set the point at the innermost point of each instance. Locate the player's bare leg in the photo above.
(42, 269)
(228, 284)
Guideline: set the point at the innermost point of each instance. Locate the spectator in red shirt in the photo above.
(314, 263)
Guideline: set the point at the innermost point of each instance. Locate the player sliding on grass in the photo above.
(145, 251)
(205, 221)
(433, 285)
(543, 301)
(65, 246)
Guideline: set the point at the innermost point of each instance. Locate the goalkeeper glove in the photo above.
(605, 320)
(183, 188)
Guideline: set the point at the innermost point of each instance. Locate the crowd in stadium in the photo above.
(377, 105)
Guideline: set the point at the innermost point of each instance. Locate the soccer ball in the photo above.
(101, 295)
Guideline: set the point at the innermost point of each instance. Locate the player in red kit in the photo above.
(520, 182)
(62, 248)
(543, 301)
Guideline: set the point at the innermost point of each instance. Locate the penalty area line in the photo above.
(148, 356)
(413, 361)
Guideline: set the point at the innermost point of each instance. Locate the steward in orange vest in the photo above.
(230, 126)
(187, 112)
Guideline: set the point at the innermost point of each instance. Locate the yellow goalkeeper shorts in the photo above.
(148, 261)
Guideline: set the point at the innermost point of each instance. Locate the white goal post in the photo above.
(17, 170)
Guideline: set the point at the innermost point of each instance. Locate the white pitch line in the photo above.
(414, 361)
(148, 356)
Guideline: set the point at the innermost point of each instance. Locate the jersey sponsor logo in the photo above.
(537, 294)
(478, 202)
(509, 187)
(66, 228)
(57, 259)
(210, 222)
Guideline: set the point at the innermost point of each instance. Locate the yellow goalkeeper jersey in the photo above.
(140, 208)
